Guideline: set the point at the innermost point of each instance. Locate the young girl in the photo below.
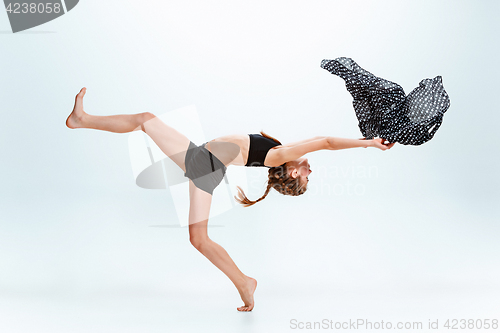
(205, 167)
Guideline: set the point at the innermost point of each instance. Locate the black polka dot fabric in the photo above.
(382, 108)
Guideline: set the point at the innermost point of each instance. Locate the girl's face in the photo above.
(300, 168)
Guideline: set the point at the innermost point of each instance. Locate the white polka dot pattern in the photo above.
(384, 111)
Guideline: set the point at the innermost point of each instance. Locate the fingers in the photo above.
(379, 143)
(387, 145)
(382, 143)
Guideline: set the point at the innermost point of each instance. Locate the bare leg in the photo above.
(118, 124)
(168, 139)
(199, 209)
(173, 144)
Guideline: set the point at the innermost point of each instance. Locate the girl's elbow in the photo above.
(329, 143)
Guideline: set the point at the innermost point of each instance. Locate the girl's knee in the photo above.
(198, 241)
(145, 117)
(148, 116)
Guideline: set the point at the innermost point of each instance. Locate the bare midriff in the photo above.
(241, 140)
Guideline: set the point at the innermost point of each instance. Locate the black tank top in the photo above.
(259, 146)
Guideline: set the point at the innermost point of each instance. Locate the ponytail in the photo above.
(278, 179)
(242, 198)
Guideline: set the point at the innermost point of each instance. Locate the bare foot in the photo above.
(75, 118)
(246, 294)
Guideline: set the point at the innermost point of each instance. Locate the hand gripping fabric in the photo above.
(384, 111)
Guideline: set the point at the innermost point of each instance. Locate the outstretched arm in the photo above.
(292, 152)
(341, 143)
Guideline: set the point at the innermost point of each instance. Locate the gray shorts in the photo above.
(203, 168)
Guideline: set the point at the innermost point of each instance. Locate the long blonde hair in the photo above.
(278, 178)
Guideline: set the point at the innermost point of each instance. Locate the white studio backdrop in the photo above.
(406, 234)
